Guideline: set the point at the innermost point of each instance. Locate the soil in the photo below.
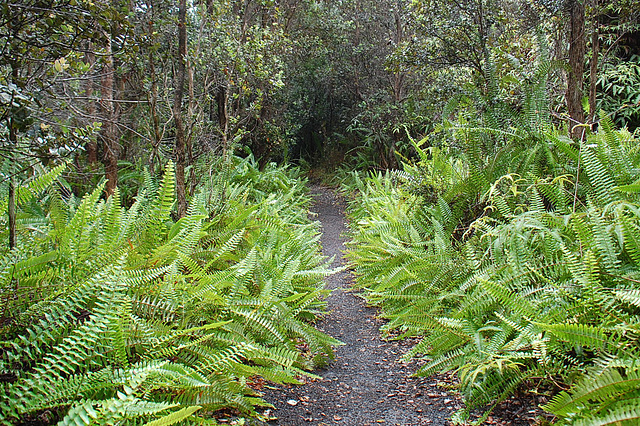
(367, 384)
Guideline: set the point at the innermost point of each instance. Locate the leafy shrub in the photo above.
(620, 87)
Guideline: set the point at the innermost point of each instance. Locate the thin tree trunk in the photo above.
(11, 210)
(155, 120)
(109, 132)
(577, 50)
(92, 144)
(13, 144)
(223, 115)
(180, 151)
(398, 86)
(593, 65)
(189, 138)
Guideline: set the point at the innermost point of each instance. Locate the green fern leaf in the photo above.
(577, 334)
(175, 417)
(609, 385)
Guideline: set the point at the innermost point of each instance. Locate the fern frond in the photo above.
(175, 417)
(610, 385)
(578, 334)
(601, 181)
(619, 416)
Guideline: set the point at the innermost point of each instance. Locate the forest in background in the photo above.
(156, 259)
(112, 87)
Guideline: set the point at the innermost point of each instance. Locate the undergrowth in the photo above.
(514, 257)
(118, 315)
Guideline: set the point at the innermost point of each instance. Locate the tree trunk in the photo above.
(92, 144)
(593, 65)
(189, 137)
(109, 131)
(155, 119)
(11, 210)
(13, 146)
(577, 50)
(180, 148)
(223, 115)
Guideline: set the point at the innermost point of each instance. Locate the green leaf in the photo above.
(174, 418)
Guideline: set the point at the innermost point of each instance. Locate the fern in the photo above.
(600, 398)
(35, 186)
(541, 283)
(175, 417)
(137, 318)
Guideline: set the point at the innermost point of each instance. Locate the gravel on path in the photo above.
(366, 384)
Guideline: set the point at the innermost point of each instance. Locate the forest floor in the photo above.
(367, 384)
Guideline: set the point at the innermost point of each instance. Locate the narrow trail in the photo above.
(366, 384)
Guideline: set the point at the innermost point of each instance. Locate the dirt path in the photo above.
(366, 384)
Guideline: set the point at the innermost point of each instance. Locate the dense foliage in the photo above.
(113, 83)
(511, 278)
(124, 314)
(506, 236)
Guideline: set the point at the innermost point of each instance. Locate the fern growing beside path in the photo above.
(540, 286)
(130, 317)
